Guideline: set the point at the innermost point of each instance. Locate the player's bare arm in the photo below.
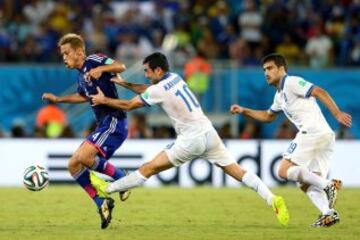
(126, 105)
(115, 67)
(326, 99)
(262, 116)
(74, 98)
(135, 87)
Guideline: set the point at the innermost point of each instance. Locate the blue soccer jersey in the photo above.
(112, 129)
(88, 87)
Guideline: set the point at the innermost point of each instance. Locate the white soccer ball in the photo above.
(36, 178)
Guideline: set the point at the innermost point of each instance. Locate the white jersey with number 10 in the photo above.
(174, 96)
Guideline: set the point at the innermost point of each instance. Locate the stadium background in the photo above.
(320, 39)
(223, 41)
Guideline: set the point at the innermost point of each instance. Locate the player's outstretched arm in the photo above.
(326, 99)
(74, 98)
(262, 116)
(126, 105)
(135, 87)
(115, 67)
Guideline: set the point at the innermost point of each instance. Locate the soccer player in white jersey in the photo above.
(196, 136)
(308, 157)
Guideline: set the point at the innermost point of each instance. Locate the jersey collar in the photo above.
(166, 75)
(282, 82)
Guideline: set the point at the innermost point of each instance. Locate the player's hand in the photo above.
(49, 97)
(234, 109)
(99, 98)
(93, 74)
(345, 119)
(118, 79)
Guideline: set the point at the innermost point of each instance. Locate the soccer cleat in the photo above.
(125, 194)
(331, 191)
(99, 184)
(282, 213)
(327, 220)
(105, 211)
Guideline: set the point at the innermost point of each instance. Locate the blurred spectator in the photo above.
(250, 21)
(225, 131)
(221, 29)
(96, 37)
(197, 73)
(249, 129)
(128, 51)
(163, 132)
(207, 42)
(289, 49)
(18, 129)
(51, 118)
(285, 130)
(37, 11)
(355, 53)
(138, 127)
(319, 49)
(343, 133)
(67, 132)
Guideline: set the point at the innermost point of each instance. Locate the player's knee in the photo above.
(282, 172)
(73, 165)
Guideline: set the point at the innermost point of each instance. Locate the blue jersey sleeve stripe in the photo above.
(144, 101)
(308, 93)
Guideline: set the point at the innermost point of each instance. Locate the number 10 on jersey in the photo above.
(186, 95)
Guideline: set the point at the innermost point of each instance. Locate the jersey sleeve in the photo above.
(152, 96)
(81, 91)
(99, 59)
(275, 106)
(300, 87)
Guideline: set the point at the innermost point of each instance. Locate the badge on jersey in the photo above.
(145, 95)
(302, 83)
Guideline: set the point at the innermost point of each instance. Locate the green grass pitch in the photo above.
(65, 212)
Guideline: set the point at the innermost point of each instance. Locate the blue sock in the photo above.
(105, 167)
(83, 179)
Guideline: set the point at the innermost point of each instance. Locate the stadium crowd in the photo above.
(307, 32)
(311, 33)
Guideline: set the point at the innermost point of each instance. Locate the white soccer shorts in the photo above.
(207, 146)
(313, 151)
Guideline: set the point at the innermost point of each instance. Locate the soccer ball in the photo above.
(36, 178)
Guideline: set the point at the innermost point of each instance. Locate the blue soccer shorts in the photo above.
(109, 136)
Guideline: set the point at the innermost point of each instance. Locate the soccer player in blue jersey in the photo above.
(111, 129)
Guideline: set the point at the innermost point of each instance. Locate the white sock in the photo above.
(134, 179)
(301, 174)
(319, 199)
(255, 183)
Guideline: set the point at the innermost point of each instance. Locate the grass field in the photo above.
(65, 212)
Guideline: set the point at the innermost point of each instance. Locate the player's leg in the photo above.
(181, 151)
(299, 155)
(290, 171)
(138, 178)
(107, 138)
(317, 197)
(254, 182)
(217, 154)
(78, 168)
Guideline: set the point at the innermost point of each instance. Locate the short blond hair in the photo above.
(75, 41)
